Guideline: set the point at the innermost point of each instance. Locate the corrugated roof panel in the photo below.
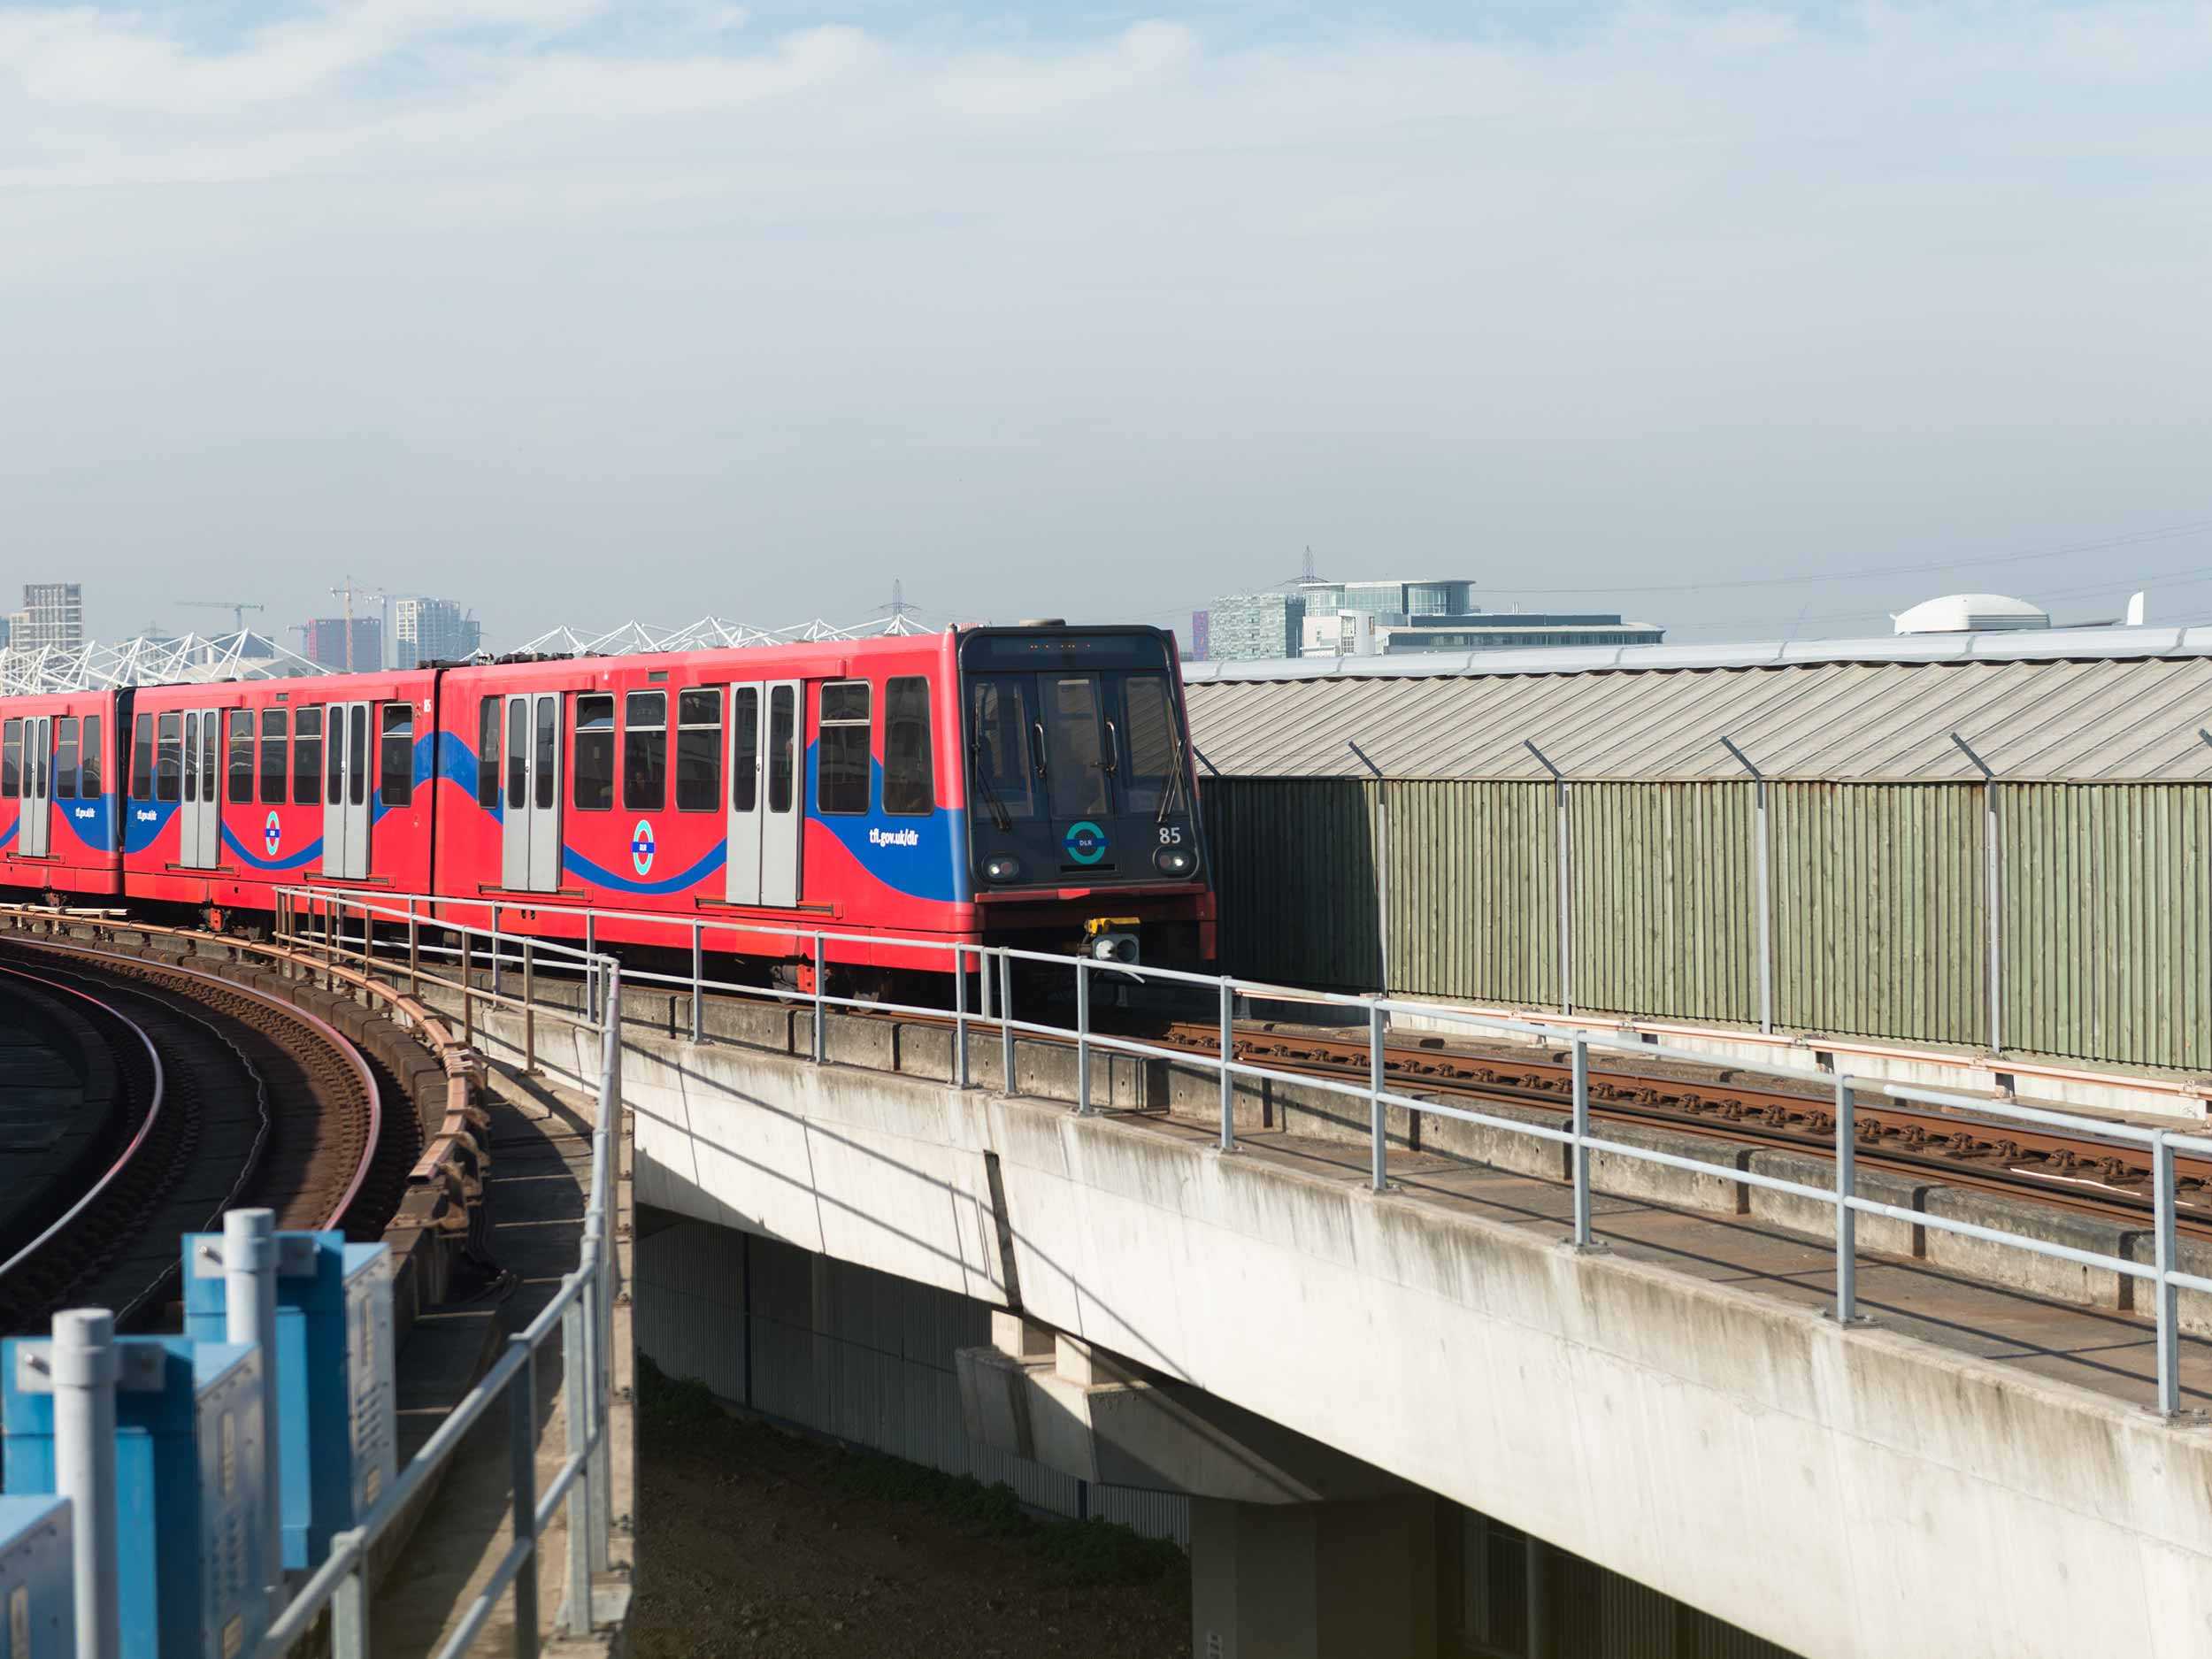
(2109, 718)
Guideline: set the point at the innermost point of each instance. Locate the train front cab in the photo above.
(237, 788)
(58, 785)
(1082, 808)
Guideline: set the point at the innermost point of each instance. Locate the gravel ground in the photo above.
(760, 1543)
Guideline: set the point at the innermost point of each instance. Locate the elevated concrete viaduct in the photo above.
(1973, 1473)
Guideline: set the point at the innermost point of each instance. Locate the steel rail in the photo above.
(336, 1039)
(75, 1212)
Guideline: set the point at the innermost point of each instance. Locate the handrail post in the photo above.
(496, 953)
(1583, 1239)
(468, 988)
(1083, 1035)
(591, 966)
(821, 1027)
(1378, 1149)
(1846, 1218)
(1228, 1078)
(349, 1602)
(85, 1364)
(2168, 1296)
(529, 1006)
(522, 1451)
(1005, 1021)
(414, 951)
(698, 980)
(249, 1316)
(579, 1387)
(960, 1015)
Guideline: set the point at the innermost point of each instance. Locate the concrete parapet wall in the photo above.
(1845, 1493)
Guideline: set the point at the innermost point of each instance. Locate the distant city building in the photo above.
(1201, 636)
(1321, 618)
(7, 628)
(52, 614)
(1248, 627)
(325, 644)
(425, 630)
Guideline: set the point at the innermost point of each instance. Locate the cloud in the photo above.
(1043, 323)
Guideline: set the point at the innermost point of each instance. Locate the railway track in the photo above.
(230, 1096)
(2095, 1176)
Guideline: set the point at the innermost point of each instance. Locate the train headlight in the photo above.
(1002, 867)
(1174, 861)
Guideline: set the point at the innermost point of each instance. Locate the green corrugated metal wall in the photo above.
(1664, 918)
(1474, 879)
(1878, 911)
(1879, 902)
(1294, 862)
(2108, 922)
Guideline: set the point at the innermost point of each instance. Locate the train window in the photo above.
(169, 759)
(548, 744)
(307, 754)
(593, 786)
(242, 753)
(909, 788)
(782, 718)
(335, 758)
(143, 758)
(998, 747)
(1076, 778)
(395, 755)
(518, 755)
(90, 780)
(840, 780)
(65, 758)
(745, 749)
(487, 753)
(275, 762)
(209, 739)
(11, 759)
(698, 751)
(645, 751)
(357, 755)
(1148, 741)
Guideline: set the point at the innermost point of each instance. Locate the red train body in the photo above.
(994, 785)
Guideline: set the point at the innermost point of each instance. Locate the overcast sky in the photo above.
(579, 312)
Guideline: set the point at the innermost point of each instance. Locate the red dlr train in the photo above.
(1027, 786)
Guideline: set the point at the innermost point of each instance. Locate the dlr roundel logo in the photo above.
(642, 848)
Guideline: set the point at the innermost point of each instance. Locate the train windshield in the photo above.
(1076, 757)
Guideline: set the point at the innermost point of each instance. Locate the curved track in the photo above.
(231, 1097)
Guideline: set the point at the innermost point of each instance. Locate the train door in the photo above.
(200, 814)
(346, 786)
(530, 827)
(36, 796)
(766, 817)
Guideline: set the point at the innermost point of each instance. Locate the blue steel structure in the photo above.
(37, 1614)
(337, 1434)
(189, 1485)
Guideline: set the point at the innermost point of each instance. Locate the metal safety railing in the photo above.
(992, 968)
(582, 1311)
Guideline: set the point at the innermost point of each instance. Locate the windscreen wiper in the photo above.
(1001, 819)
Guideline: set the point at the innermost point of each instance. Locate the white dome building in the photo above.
(1972, 613)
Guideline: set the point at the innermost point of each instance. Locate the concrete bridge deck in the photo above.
(1977, 1472)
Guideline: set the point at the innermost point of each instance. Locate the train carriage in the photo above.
(58, 793)
(237, 788)
(1023, 786)
(769, 793)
